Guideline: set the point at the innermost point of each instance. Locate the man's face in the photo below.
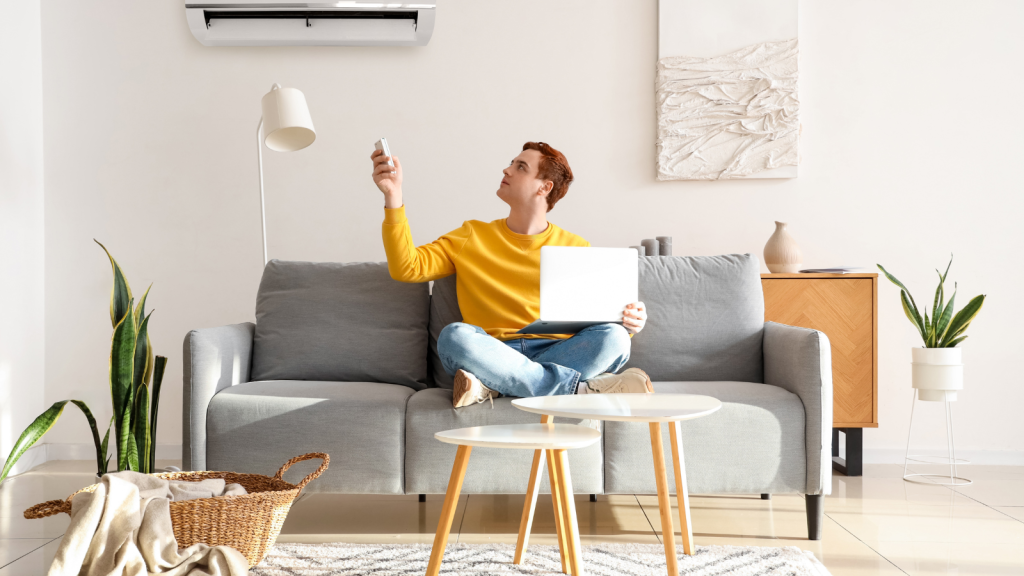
(520, 184)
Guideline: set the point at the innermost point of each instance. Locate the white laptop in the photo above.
(580, 287)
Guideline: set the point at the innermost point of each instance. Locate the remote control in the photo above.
(382, 144)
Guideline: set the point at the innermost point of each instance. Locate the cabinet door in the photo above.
(844, 310)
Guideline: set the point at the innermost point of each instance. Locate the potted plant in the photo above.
(937, 367)
(133, 371)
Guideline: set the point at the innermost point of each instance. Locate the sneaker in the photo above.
(469, 390)
(633, 380)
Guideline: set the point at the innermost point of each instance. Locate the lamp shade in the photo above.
(287, 126)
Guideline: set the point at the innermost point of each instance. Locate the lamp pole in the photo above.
(263, 207)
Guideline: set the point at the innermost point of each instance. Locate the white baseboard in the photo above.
(987, 457)
(32, 457)
(42, 453)
(46, 452)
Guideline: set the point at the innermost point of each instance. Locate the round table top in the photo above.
(623, 407)
(527, 436)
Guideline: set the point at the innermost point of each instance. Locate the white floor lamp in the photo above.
(285, 127)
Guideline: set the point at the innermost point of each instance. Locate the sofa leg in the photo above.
(423, 497)
(766, 496)
(593, 497)
(815, 516)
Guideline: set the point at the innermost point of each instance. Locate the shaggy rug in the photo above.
(480, 559)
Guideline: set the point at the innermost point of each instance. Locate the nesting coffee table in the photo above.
(554, 439)
(651, 408)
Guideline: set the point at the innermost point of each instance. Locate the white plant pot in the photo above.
(937, 373)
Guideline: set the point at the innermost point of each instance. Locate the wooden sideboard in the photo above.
(845, 308)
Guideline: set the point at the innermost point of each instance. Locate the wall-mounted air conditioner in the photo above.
(286, 23)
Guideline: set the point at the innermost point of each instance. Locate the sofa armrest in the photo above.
(215, 359)
(799, 360)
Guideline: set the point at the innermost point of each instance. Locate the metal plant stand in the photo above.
(950, 459)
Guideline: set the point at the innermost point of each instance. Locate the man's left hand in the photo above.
(634, 317)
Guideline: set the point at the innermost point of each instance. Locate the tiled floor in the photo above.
(875, 524)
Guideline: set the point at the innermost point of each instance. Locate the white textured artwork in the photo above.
(727, 98)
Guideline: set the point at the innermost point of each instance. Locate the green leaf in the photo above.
(912, 315)
(143, 362)
(893, 279)
(947, 314)
(122, 361)
(955, 341)
(120, 294)
(95, 434)
(104, 446)
(963, 318)
(939, 297)
(947, 267)
(140, 426)
(133, 454)
(140, 310)
(158, 379)
(40, 426)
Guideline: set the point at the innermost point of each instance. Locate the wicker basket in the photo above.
(249, 523)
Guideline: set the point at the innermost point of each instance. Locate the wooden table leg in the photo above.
(682, 493)
(668, 536)
(556, 501)
(569, 513)
(526, 524)
(451, 502)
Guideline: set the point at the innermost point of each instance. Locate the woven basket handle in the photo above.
(316, 473)
(49, 508)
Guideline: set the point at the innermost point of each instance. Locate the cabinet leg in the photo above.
(853, 464)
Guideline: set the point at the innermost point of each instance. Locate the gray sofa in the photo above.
(343, 360)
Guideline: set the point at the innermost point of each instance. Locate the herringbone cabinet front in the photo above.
(844, 307)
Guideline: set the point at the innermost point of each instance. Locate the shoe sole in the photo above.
(460, 388)
(648, 384)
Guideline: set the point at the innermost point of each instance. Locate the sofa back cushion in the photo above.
(341, 323)
(444, 310)
(705, 318)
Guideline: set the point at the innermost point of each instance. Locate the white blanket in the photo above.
(124, 527)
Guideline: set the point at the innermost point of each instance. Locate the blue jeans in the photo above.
(529, 367)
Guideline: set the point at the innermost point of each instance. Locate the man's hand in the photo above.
(388, 179)
(634, 317)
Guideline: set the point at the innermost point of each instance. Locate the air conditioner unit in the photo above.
(284, 23)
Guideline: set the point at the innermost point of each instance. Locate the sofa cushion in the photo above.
(258, 426)
(340, 322)
(444, 310)
(753, 445)
(428, 462)
(705, 318)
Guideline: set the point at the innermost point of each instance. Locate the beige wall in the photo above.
(910, 144)
(21, 226)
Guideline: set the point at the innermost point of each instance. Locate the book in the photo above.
(835, 270)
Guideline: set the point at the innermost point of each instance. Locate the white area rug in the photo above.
(480, 559)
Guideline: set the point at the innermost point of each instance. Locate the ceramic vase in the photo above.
(937, 373)
(781, 253)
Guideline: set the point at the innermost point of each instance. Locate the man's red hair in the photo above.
(553, 167)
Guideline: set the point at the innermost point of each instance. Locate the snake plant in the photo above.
(133, 371)
(942, 329)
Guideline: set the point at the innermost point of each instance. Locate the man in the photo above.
(498, 286)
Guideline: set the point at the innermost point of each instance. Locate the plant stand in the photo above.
(950, 459)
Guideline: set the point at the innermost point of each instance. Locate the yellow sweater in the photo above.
(498, 282)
